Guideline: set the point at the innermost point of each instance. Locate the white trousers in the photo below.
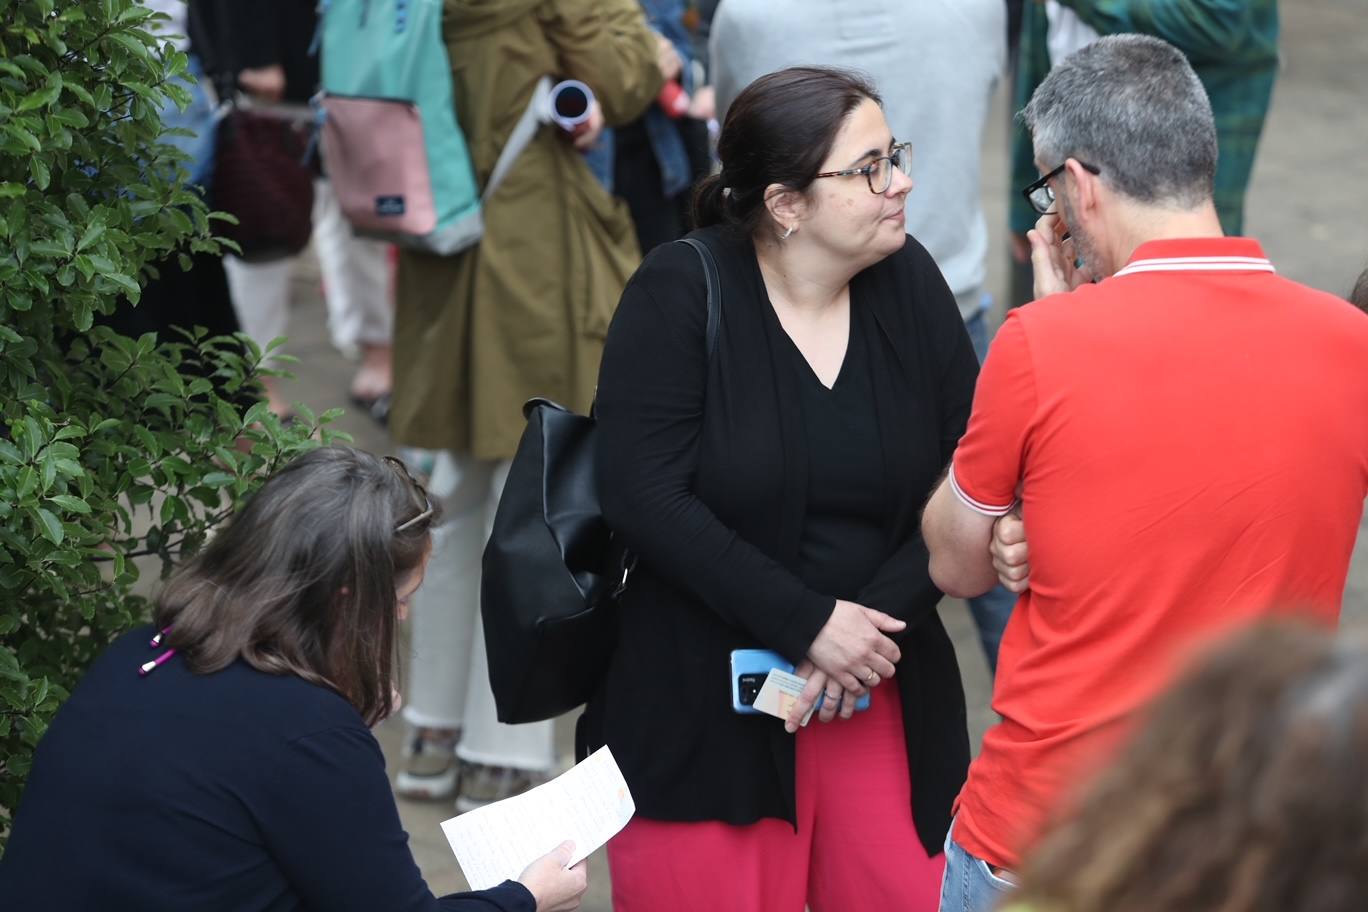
(261, 296)
(448, 669)
(356, 282)
(356, 276)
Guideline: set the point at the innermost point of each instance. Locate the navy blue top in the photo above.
(236, 790)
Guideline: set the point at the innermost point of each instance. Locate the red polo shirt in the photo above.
(1189, 440)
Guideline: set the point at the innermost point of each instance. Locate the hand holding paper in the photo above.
(556, 886)
(587, 805)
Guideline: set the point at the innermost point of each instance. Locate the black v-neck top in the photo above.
(845, 526)
(730, 478)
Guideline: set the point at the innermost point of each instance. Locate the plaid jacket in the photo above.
(1233, 46)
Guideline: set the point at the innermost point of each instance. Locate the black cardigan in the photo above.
(703, 473)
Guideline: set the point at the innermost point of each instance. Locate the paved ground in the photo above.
(1306, 204)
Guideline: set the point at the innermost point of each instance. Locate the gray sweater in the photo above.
(935, 62)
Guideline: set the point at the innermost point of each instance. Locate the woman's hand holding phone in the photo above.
(818, 683)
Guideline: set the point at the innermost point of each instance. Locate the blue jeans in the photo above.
(992, 609)
(969, 885)
(977, 328)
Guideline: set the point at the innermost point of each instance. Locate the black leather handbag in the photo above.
(552, 570)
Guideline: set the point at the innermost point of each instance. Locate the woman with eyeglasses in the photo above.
(222, 757)
(769, 490)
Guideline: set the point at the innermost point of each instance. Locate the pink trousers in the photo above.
(855, 848)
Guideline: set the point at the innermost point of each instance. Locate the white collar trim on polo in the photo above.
(1199, 264)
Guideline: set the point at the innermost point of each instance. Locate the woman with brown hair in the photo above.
(770, 490)
(1246, 791)
(222, 758)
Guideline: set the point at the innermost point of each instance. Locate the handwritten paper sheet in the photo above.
(587, 804)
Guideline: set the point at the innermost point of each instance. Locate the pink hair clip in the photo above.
(147, 668)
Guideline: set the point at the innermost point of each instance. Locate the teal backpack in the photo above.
(392, 146)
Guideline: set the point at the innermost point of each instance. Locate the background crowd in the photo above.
(527, 313)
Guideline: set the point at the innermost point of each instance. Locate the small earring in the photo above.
(785, 235)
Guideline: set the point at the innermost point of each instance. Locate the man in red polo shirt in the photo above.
(1185, 441)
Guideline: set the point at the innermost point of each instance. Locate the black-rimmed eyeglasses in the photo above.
(879, 172)
(427, 512)
(1041, 195)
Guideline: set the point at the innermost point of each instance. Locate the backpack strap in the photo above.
(714, 290)
(532, 118)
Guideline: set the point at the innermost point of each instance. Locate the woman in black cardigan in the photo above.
(770, 490)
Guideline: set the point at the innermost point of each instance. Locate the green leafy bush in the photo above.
(110, 448)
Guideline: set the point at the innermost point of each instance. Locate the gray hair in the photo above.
(1131, 106)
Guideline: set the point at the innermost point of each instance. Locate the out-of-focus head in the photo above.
(1245, 790)
(1359, 296)
(310, 577)
(1132, 107)
(782, 134)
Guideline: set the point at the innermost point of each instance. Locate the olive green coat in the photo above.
(524, 312)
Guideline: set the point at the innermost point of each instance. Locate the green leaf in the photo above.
(218, 479)
(124, 282)
(28, 482)
(168, 509)
(82, 94)
(33, 437)
(9, 666)
(69, 468)
(50, 248)
(93, 233)
(255, 413)
(227, 415)
(150, 444)
(131, 44)
(44, 96)
(70, 503)
(9, 190)
(42, 175)
(23, 137)
(71, 117)
(48, 471)
(102, 264)
(50, 526)
(162, 400)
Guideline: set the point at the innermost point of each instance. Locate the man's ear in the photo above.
(788, 207)
(1087, 186)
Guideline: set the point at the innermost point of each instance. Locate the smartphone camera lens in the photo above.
(748, 686)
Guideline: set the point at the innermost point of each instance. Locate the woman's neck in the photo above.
(802, 278)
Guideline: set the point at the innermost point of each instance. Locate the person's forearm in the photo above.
(961, 564)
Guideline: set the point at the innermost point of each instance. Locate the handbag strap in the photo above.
(714, 290)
